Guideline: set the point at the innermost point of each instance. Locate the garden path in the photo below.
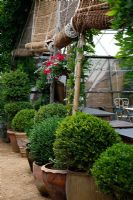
(16, 180)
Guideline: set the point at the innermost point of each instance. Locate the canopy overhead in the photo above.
(55, 23)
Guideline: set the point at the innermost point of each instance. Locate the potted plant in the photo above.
(41, 148)
(11, 110)
(50, 110)
(80, 139)
(15, 88)
(113, 171)
(21, 123)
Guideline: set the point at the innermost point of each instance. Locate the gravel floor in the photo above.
(16, 180)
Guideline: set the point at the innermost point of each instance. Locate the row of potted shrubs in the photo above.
(80, 143)
(75, 143)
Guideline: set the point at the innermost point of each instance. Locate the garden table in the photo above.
(125, 130)
(121, 124)
(99, 113)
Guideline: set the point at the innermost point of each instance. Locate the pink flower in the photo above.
(48, 63)
(60, 57)
(47, 71)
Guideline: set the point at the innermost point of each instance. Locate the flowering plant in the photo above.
(55, 66)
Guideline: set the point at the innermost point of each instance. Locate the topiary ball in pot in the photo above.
(113, 171)
(42, 138)
(50, 110)
(12, 108)
(80, 139)
(23, 120)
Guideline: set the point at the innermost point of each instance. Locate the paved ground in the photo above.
(16, 180)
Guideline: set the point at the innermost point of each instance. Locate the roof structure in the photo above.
(55, 23)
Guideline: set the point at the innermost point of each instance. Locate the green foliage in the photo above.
(12, 108)
(42, 138)
(114, 171)
(44, 87)
(13, 16)
(50, 110)
(27, 65)
(80, 139)
(23, 120)
(122, 12)
(16, 86)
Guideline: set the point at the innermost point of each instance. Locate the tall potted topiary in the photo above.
(41, 148)
(16, 87)
(21, 123)
(80, 139)
(11, 110)
(113, 171)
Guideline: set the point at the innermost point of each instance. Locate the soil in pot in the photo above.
(55, 181)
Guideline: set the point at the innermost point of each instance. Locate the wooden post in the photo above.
(78, 74)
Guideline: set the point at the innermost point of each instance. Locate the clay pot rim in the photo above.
(47, 168)
(9, 131)
(19, 133)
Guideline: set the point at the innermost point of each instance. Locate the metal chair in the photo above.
(125, 102)
(119, 110)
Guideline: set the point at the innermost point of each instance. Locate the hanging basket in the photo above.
(94, 19)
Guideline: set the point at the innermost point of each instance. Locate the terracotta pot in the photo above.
(55, 181)
(13, 141)
(22, 140)
(82, 186)
(37, 173)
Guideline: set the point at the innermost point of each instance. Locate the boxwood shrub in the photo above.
(12, 108)
(113, 171)
(80, 139)
(23, 120)
(50, 110)
(41, 140)
(16, 85)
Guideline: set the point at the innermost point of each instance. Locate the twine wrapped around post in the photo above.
(78, 75)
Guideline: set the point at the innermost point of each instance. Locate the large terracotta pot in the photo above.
(81, 186)
(38, 177)
(55, 181)
(22, 140)
(13, 140)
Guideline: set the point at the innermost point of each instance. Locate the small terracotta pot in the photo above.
(37, 173)
(22, 140)
(13, 141)
(55, 181)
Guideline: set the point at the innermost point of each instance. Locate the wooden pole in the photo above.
(78, 67)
